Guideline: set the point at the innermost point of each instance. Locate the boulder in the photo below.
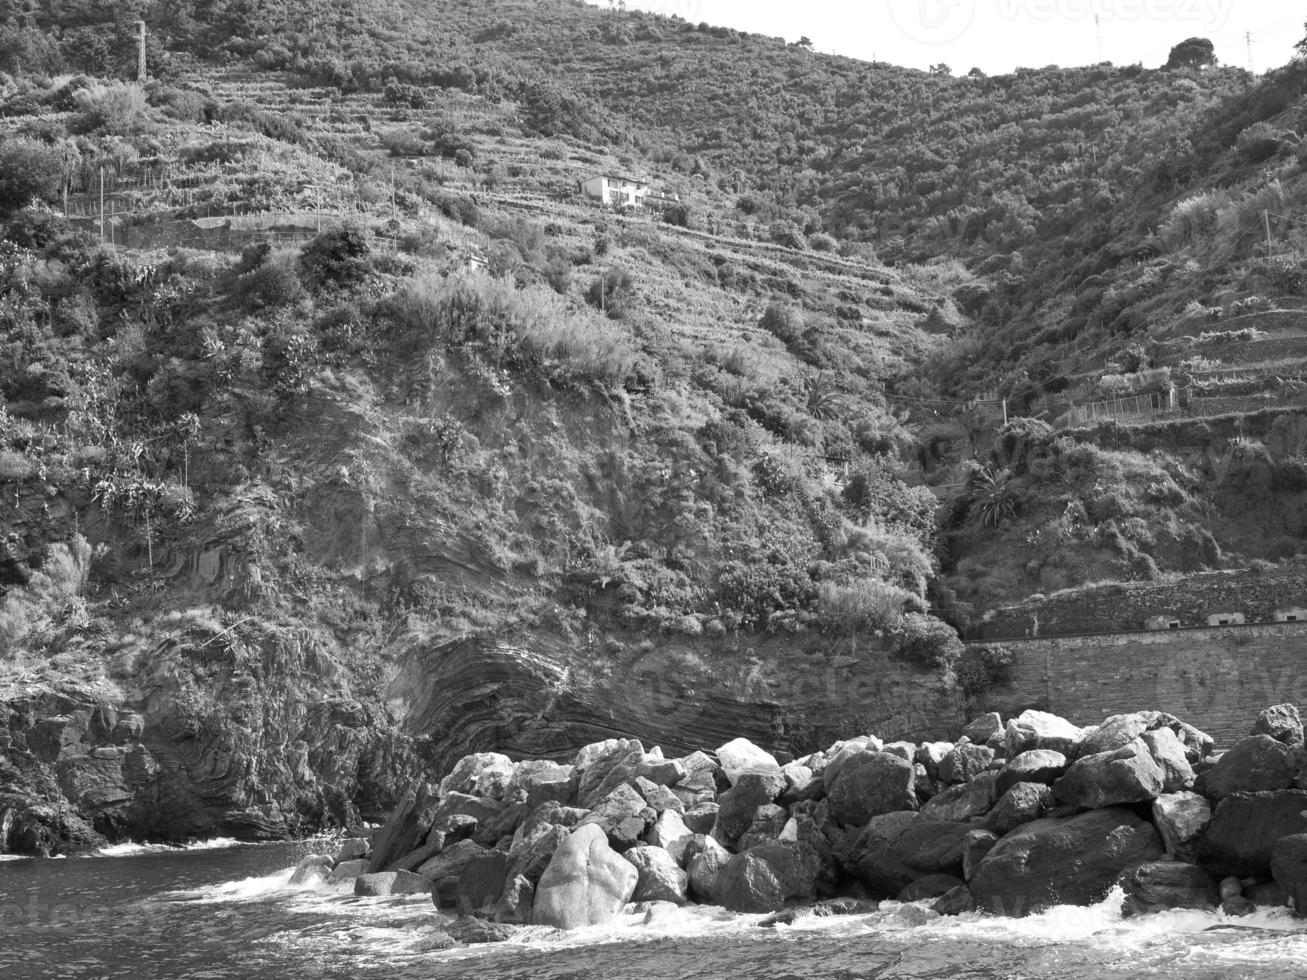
(1129, 774)
(975, 846)
(1256, 764)
(481, 884)
(768, 822)
(658, 797)
(1281, 723)
(1169, 752)
(965, 762)
(1268, 894)
(540, 781)
(696, 789)
(737, 806)
(671, 834)
(448, 866)
(1289, 866)
(624, 817)
(841, 752)
(984, 728)
(501, 826)
(1244, 829)
(1062, 861)
(931, 754)
(353, 849)
(472, 931)
(1161, 885)
(347, 871)
(1035, 766)
(1118, 731)
(740, 756)
(707, 858)
(869, 784)
(406, 827)
(599, 773)
(517, 902)
(1041, 730)
(312, 869)
(766, 877)
(907, 751)
(486, 774)
(661, 880)
(532, 851)
(957, 901)
(930, 887)
(702, 817)
(391, 883)
(800, 783)
(805, 826)
(663, 772)
(965, 800)
(1181, 819)
(587, 883)
(1021, 804)
(896, 849)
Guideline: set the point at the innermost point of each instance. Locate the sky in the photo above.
(999, 36)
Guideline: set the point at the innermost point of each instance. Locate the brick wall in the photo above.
(1130, 606)
(1217, 679)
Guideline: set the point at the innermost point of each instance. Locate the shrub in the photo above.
(863, 604)
(272, 280)
(613, 292)
(339, 257)
(119, 108)
(759, 591)
(784, 321)
(926, 642)
(31, 170)
(983, 668)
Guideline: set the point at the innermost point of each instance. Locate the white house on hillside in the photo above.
(616, 190)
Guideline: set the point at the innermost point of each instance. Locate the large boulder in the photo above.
(895, 849)
(736, 807)
(587, 883)
(1169, 752)
(1117, 731)
(1129, 774)
(930, 887)
(1062, 861)
(1041, 730)
(661, 880)
(740, 756)
(1021, 804)
(1281, 723)
(391, 883)
(984, 728)
(517, 902)
(531, 852)
(768, 822)
(869, 784)
(347, 871)
(1181, 819)
(707, 859)
(312, 869)
(671, 834)
(965, 762)
(624, 817)
(537, 782)
(1244, 830)
(765, 877)
(444, 870)
(1289, 866)
(659, 797)
(1161, 885)
(930, 755)
(1256, 764)
(601, 768)
(1035, 766)
(406, 827)
(965, 800)
(486, 774)
(975, 846)
(482, 882)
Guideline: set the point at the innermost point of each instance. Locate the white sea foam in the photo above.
(130, 849)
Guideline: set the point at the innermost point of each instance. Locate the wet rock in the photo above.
(737, 806)
(1160, 885)
(965, 762)
(1256, 764)
(1267, 894)
(1181, 819)
(661, 880)
(896, 849)
(1041, 730)
(406, 827)
(1062, 861)
(960, 803)
(517, 902)
(1021, 804)
(739, 756)
(314, 868)
(486, 774)
(765, 877)
(482, 883)
(587, 883)
(1035, 766)
(347, 871)
(975, 846)
(476, 932)
(869, 784)
(956, 901)
(624, 817)
(1281, 723)
(1238, 907)
(707, 860)
(1129, 774)
(671, 834)
(1245, 828)
(381, 883)
(767, 824)
(352, 850)
(931, 886)
(446, 868)
(1289, 866)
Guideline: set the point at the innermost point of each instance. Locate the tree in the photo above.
(1196, 52)
(28, 170)
(941, 69)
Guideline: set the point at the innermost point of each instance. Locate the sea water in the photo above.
(226, 910)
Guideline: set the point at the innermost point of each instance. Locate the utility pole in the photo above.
(141, 74)
(1249, 38)
(1098, 32)
(102, 204)
(1266, 216)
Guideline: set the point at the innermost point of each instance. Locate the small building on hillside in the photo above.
(616, 190)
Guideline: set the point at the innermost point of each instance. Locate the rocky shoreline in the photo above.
(1009, 820)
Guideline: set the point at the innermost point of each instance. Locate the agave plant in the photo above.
(993, 498)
